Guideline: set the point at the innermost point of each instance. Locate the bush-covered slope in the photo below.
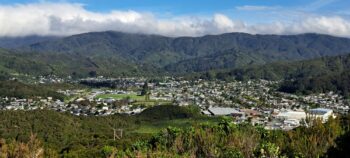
(72, 136)
(194, 54)
(76, 65)
(169, 112)
(117, 54)
(20, 90)
(290, 70)
(339, 83)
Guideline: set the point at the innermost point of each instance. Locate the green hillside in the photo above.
(13, 63)
(117, 54)
(150, 53)
(290, 70)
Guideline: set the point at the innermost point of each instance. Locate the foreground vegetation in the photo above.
(85, 136)
(164, 131)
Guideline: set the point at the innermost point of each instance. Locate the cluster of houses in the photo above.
(256, 101)
(11, 103)
(237, 94)
(80, 104)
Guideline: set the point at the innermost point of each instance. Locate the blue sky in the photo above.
(199, 16)
(201, 7)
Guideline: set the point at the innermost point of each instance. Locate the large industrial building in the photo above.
(321, 113)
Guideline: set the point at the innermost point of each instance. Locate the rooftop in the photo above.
(320, 111)
(223, 111)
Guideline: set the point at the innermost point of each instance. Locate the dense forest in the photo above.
(193, 54)
(339, 83)
(286, 70)
(53, 134)
(116, 54)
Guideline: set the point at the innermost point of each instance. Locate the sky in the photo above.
(174, 17)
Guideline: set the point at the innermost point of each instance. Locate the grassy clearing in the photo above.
(140, 100)
(121, 96)
(152, 103)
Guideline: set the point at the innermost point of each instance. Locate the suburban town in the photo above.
(254, 101)
(174, 79)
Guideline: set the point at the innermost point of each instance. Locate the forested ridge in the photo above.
(339, 83)
(117, 54)
(287, 69)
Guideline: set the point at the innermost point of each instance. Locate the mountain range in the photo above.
(123, 54)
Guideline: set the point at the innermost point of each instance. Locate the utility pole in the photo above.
(121, 133)
(117, 136)
(114, 134)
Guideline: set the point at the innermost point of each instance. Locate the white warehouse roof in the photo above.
(223, 111)
(320, 111)
(289, 114)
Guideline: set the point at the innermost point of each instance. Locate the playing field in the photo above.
(140, 100)
(121, 96)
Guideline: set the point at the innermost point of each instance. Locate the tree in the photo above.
(33, 148)
(145, 89)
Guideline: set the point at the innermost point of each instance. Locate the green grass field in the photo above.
(140, 100)
(152, 102)
(121, 96)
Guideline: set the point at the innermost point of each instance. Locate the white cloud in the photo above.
(328, 25)
(67, 19)
(318, 4)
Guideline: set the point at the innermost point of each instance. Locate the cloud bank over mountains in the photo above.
(61, 19)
